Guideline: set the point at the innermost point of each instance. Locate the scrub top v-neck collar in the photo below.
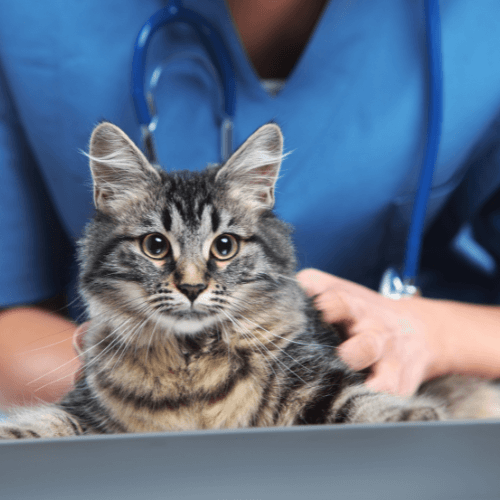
(246, 70)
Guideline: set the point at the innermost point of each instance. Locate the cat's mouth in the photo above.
(191, 314)
(189, 321)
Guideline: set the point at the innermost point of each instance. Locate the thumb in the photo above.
(362, 350)
(334, 307)
(315, 282)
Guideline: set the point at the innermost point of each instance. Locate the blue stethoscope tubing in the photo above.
(219, 55)
(392, 284)
(433, 137)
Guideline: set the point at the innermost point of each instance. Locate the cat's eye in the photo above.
(224, 247)
(155, 246)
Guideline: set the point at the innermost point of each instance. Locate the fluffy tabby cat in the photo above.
(198, 321)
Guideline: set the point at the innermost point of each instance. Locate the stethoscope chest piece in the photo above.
(393, 287)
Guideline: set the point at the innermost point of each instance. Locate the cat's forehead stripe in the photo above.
(166, 219)
(188, 193)
(215, 219)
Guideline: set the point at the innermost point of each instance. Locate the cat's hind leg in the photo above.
(357, 404)
(42, 422)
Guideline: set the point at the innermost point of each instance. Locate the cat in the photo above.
(197, 319)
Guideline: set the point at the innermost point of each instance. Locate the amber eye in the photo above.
(155, 246)
(224, 247)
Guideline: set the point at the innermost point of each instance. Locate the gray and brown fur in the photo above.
(189, 341)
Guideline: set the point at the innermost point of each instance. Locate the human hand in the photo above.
(36, 357)
(399, 339)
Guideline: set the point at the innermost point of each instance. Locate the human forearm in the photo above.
(469, 333)
(35, 351)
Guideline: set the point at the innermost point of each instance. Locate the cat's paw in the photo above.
(414, 414)
(12, 431)
(376, 407)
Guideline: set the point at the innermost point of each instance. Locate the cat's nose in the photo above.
(191, 291)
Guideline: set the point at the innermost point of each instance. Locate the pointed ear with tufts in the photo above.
(252, 171)
(121, 173)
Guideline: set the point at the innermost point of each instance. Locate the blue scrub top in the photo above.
(352, 113)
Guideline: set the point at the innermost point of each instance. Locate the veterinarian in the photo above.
(346, 82)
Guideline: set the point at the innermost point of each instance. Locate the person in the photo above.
(345, 81)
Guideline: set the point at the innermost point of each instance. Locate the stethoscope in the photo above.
(220, 67)
(393, 284)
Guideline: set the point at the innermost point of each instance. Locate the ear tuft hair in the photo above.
(252, 171)
(120, 171)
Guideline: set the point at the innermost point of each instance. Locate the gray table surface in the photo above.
(444, 460)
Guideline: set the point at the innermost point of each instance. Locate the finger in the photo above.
(386, 377)
(334, 307)
(315, 282)
(412, 377)
(362, 350)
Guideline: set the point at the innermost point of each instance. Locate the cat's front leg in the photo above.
(360, 405)
(43, 422)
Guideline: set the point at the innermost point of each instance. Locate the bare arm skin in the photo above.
(275, 33)
(35, 351)
(407, 342)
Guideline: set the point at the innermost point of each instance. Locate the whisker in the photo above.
(125, 336)
(81, 355)
(275, 345)
(151, 338)
(84, 365)
(53, 382)
(271, 354)
(116, 340)
(275, 334)
(128, 342)
(263, 352)
(45, 346)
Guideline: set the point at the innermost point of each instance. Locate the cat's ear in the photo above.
(252, 171)
(120, 171)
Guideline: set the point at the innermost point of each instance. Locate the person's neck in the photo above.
(275, 32)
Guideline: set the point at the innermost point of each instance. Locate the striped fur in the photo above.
(190, 341)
